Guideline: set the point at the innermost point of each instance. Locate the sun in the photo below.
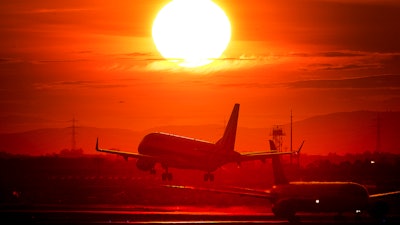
(191, 33)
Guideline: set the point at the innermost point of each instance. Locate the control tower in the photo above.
(277, 137)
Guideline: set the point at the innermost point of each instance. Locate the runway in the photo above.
(166, 215)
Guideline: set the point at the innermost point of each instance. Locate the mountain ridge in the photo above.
(341, 133)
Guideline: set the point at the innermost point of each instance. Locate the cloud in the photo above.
(79, 84)
(378, 82)
(328, 54)
(62, 61)
(375, 82)
(221, 64)
(249, 85)
(137, 54)
(346, 66)
(327, 61)
(55, 10)
(10, 60)
(344, 60)
(45, 7)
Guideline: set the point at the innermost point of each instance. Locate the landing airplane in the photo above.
(173, 151)
(288, 198)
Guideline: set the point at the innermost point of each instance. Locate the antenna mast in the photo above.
(73, 141)
(291, 131)
(291, 136)
(378, 133)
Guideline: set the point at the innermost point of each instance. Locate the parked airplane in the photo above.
(173, 151)
(288, 198)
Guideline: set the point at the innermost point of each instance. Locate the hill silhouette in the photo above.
(340, 133)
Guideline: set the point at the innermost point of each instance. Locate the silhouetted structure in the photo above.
(277, 136)
(378, 133)
(175, 151)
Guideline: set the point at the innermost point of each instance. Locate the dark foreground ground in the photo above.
(98, 190)
(169, 215)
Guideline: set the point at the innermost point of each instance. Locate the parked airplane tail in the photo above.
(227, 142)
(277, 168)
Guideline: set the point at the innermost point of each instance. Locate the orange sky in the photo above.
(95, 60)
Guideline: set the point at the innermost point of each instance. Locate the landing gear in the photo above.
(166, 175)
(209, 177)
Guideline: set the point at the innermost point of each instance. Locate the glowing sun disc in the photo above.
(191, 32)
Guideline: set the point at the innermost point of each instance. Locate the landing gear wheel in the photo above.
(209, 177)
(169, 176)
(166, 176)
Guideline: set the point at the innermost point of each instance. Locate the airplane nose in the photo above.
(145, 143)
(142, 145)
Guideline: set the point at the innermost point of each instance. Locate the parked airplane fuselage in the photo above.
(319, 197)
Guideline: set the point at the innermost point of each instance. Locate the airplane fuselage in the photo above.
(174, 151)
(182, 152)
(318, 197)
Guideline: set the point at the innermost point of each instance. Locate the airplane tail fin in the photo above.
(277, 168)
(227, 142)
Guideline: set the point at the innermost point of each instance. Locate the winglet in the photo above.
(97, 144)
(301, 146)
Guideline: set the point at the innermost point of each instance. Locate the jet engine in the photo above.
(145, 164)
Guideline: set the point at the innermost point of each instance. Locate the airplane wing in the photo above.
(126, 155)
(386, 194)
(248, 156)
(228, 190)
